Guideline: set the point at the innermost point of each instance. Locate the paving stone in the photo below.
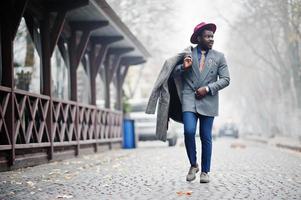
(155, 171)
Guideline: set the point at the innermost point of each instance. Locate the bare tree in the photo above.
(267, 40)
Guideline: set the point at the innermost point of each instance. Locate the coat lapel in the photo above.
(195, 63)
(208, 63)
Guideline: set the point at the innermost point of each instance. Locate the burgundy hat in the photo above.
(199, 28)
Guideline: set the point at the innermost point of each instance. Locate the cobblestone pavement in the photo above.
(240, 170)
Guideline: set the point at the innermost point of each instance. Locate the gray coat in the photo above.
(173, 85)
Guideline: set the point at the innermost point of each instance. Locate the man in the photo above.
(187, 88)
(203, 74)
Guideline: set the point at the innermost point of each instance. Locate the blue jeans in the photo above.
(190, 120)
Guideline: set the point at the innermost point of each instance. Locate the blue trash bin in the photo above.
(128, 134)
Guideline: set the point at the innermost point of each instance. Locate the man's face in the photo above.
(206, 39)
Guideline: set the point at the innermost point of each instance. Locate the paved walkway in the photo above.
(240, 170)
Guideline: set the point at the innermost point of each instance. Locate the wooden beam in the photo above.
(80, 49)
(105, 42)
(77, 52)
(120, 50)
(132, 60)
(105, 39)
(100, 57)
(88, 25)
(36, 9)
(64, 51)
(117, 52)
(16, 15)
(97, 58)
(56, 5)
(113, 68)
(86, 28)
(32, 29)
(123, 74)
(57, 29)
(110, 69)
(125, 64)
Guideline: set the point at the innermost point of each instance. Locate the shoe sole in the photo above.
(204, 181)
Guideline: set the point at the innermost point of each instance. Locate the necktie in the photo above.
(202, 61)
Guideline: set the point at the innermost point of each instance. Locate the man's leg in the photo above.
(206, 140)
(190, 121)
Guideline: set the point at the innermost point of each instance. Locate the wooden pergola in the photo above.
(36, 128)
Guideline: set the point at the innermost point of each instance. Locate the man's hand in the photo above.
(187, 62)
(201, 92)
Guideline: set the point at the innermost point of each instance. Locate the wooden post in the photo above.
(119, 101)
(121, 72)
(49, 38)
(97, 58)
(77, 49)
(110, 69)
(46, 76)
(8, 80)
(0, 51)
(107, 85)
(76, 52)
(11, 14)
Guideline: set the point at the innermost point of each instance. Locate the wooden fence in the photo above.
(48, 129)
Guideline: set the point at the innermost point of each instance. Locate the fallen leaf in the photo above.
(180, 193)
(188, 193)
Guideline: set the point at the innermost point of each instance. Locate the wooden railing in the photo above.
(5, 139)
(72, 124)
(30, 120)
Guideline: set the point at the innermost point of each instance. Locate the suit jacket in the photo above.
(173, 82)
(215, 75)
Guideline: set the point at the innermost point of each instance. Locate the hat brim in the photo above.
(210, 26)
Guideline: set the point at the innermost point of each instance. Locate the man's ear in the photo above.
(199, 38)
